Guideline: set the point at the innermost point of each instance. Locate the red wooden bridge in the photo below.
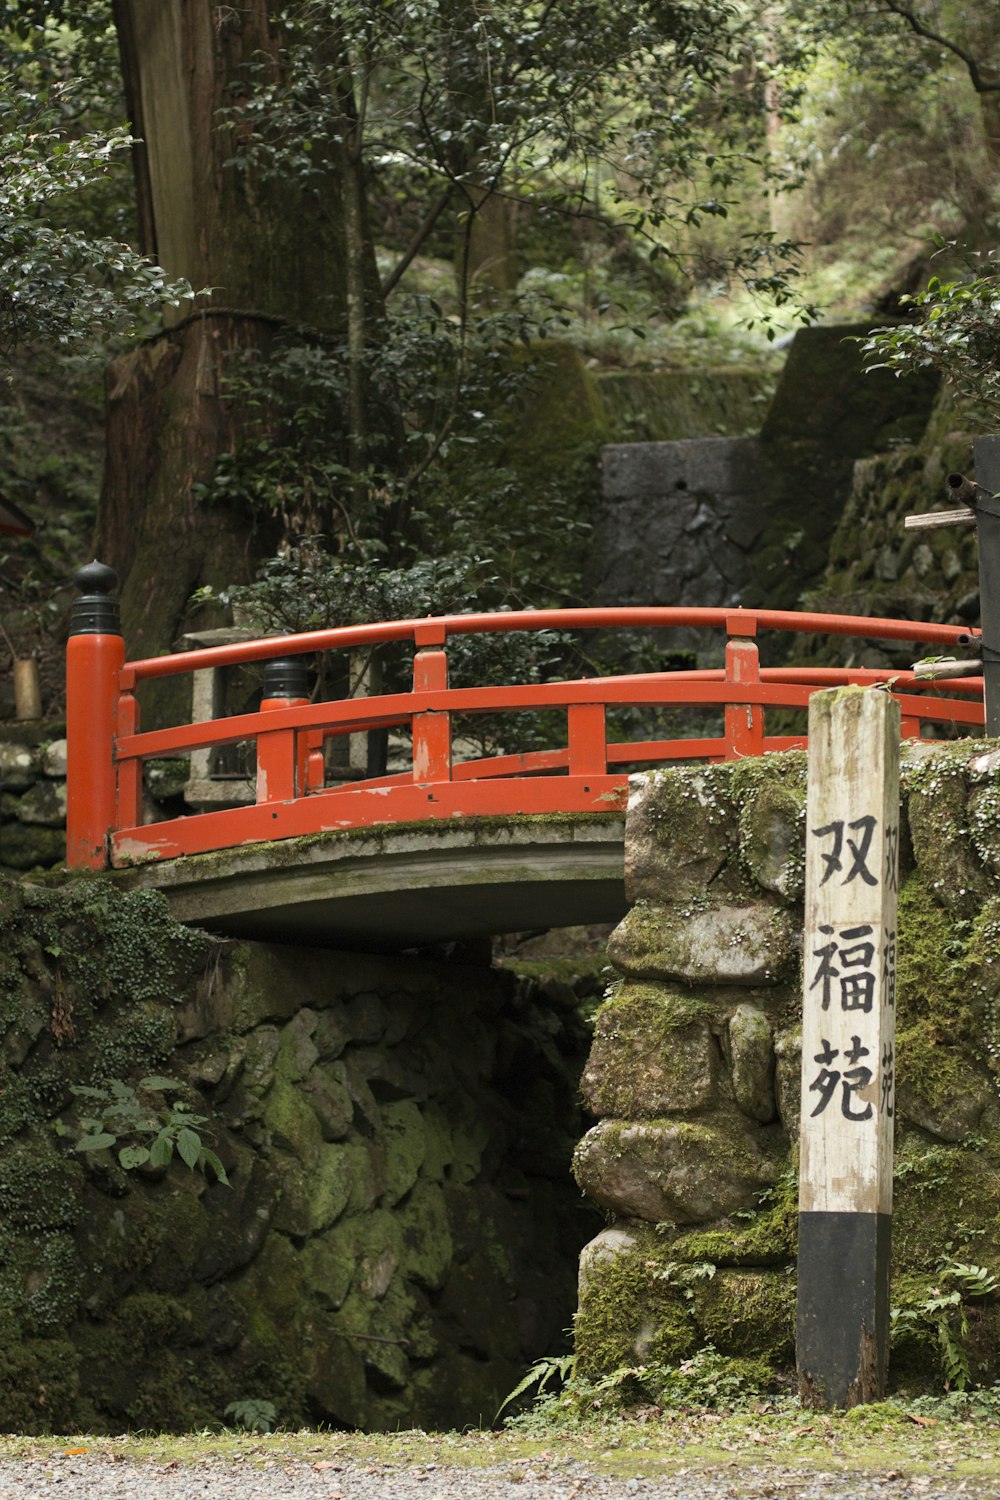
(586, 773)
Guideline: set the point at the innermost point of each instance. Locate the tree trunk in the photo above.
(272, 249)
(487, 248)
(167, 422)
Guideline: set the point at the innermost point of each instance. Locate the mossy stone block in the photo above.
(271, 983)
(18, 765)
(766, 1238)
(707, 944)
(751, 1053)
(984, 822)
(630, 1311)
(680, 1172)
(748, 1312)
(334, 1373)
(32, 847)
(237, 1218)
(329, 1183)
(646, 1062)
(328, 1263)
(938, 1087)
(378, 1250)
(44, 805)
(271, 1289)
(679, 834)
(788, 1078)
(297, 1051)
(292, 1121)
(405, 1147)
(326, 1091)
(942, 847)
(771, 840)
(367, 1169)
(39, 1387)
(427, 1246)
(946, 1201)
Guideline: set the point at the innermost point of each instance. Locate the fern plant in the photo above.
(945, 1311)
(542, 1373)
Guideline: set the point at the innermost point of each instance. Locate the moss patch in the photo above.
(631, 1312)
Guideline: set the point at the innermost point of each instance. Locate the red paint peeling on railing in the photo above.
(587, 774)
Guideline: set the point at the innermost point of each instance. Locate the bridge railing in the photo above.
(106, 747)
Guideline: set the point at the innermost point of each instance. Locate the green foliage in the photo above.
(683, 1275)
(253, 1414)
(956, 330)
(63, 286)
(121, 1112)
(708, 1381)
(307, 588)
(944, 1312)
(541, 1375)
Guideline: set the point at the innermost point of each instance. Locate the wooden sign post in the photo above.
(848, 1046)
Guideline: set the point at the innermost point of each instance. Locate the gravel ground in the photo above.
(97, 1477)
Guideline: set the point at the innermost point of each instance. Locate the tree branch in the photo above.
(423, 230)
(979, 83)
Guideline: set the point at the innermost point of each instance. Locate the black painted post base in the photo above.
(843, 1307)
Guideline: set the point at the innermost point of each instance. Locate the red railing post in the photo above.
(744, 721)
(588, 748)
(312, 768)
(281, 769)
(95, 652)
(431, 730)
(129, 802)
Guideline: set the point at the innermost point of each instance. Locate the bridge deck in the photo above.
(400, 887)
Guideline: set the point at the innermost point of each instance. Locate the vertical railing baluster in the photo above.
(312, 770)
(588, 747)
(431, 729)
(129, 771)
(744, 734)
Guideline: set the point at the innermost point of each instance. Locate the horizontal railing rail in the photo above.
(585, 774)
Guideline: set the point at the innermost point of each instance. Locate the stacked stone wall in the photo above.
(33, 794)
(398, 1232)
(694, 1070)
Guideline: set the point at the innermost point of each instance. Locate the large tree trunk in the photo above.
(270, 247)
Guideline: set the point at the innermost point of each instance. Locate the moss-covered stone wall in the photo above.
(33, 794)
(694, 1071)
(396, 1233)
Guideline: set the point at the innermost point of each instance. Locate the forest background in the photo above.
(278, 282)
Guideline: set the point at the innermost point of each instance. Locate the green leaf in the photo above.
(133, 1156)
(161, 1150)
(209, 1159)
(95, 1142)
(189, 1147)
(155, 1081)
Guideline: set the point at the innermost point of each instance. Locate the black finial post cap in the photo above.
(95, 612)
(287, 677)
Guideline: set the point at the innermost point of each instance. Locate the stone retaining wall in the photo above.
(398, 1236)
(33, 794)
(694, 1071)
